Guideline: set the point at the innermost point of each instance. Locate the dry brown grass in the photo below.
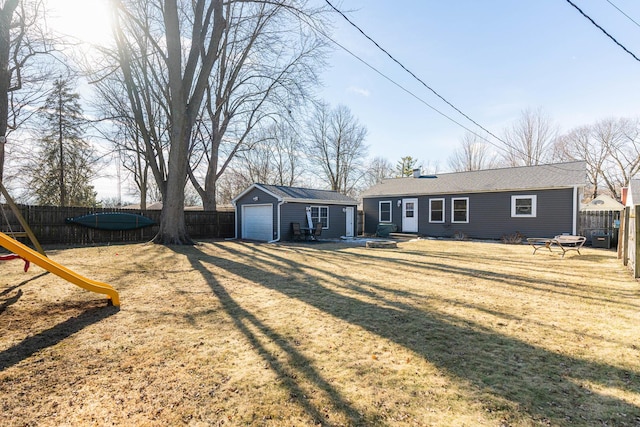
(441, 333)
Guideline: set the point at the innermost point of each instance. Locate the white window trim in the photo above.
(380, 211)
(534, 206)
(319, 207)
(453, 201)
(443, 211)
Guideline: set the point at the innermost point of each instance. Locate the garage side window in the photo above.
(524, 206)
(320, 214)
(384, 210)
(460, 209)
(436, 210)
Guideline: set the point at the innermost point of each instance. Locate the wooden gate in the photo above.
(599, 223)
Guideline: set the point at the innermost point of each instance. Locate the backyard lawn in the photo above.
(434, 333)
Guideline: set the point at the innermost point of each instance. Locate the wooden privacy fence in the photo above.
(593, 224)
(49, 226)
(628, 249)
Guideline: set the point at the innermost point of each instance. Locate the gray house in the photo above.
(536, 201)
(266, 212)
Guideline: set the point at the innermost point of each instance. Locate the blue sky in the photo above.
(490, 58)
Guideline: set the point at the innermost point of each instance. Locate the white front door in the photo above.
(409, 215)
(349, 221)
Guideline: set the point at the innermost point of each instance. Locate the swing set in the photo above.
(38, 256)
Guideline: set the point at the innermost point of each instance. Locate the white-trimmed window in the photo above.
(460, 209)
(524, 206)
(384, 211)
(436, 210)
(320, 214)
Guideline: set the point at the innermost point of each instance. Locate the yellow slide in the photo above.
(59, 270)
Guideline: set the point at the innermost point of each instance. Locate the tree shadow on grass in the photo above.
(543, 385)
(57, 333)
(297, 364)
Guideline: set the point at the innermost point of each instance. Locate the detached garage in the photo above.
(266, 212)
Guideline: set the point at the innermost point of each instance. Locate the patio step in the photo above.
(402, 236)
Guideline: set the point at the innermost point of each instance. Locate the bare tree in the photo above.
(276, 158)
(530, 139)
(378, 170)
(579, 144)
(622, 139)
(336, 146)
(472, 154)
(23, 37)
(266, 65)
(208, 71)
(131, 145)
(172, 47)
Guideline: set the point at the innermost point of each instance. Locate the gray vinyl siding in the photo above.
(489, 215)
(263, 199)
(297, 212)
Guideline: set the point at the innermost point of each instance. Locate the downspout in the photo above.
(576, 206)
(280, 203)
(235, 228)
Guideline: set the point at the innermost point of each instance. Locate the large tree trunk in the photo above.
(6, 15)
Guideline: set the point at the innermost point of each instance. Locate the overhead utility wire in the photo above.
(622, 12)
(603, 30)
(411, 73)
(502, 148)
(409, 92)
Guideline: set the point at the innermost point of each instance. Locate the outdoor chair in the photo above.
(317, 231)
(297, 232)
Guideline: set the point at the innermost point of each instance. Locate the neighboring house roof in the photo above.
(298, 194)
(559, 175)
(633, 197)
(603, 203)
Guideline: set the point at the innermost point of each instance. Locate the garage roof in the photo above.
(301, 195)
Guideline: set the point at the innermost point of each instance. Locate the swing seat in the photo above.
(14, 256)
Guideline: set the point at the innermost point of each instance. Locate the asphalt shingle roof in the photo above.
(288, 193)
(559, 175)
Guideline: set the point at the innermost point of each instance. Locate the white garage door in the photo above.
(257, 222)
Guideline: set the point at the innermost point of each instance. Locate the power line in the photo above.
(410, 72)
(502, 148)
(404, 89)
(603, 30)
(622, 12)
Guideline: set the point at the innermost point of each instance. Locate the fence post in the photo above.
(636, 266)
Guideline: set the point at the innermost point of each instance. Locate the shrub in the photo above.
(512, 239)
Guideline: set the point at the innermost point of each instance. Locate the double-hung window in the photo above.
(384, 212)
(524, 206)
(460, 209)
(436, 210)
(320, 214)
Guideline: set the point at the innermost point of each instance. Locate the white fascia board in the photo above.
(259, 187)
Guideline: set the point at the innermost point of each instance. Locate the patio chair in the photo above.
(317, 231)
(297, 232)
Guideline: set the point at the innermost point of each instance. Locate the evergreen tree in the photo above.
(62, 175)
(405, 166)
